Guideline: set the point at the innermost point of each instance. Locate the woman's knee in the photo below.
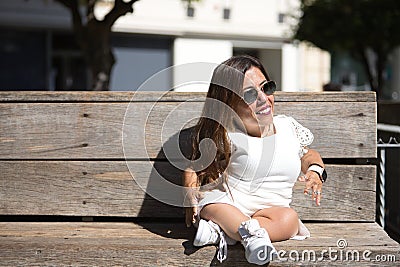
(290, 215)
(290, 218)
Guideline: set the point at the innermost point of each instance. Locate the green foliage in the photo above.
(354, 26)
(347, 25)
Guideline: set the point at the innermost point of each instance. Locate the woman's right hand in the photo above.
(191, 196)
(191, 202)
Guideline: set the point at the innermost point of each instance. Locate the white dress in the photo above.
(262, 171)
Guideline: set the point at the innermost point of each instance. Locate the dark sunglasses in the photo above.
(250, 94)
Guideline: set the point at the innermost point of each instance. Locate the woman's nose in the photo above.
(261, 97)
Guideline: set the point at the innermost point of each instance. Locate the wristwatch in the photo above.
(318, 170)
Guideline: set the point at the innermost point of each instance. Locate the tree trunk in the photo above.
(362, 51)
(98, 54)
(380, 67)
(94, 38)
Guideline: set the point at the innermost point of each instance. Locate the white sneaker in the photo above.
(258, 246)
(209, 233)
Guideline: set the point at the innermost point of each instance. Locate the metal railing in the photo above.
(382, 146)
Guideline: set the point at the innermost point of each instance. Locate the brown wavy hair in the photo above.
(219, 115)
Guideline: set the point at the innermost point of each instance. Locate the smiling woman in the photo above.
(245, 191)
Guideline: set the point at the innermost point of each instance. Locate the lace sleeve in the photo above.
(304, 135)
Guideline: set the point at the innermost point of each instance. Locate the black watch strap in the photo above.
(318, 169)
(323, 176)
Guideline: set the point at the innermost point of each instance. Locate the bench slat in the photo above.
(94, 130)
(88, 96)
(106, 188)
(170, 244)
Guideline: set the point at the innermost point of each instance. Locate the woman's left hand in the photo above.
(314, 183)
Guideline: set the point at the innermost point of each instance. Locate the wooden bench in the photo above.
(73, 168)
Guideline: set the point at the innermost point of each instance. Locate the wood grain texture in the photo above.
(170, 244)
(89, 96)
(63, 153)
(103, 131)
(106, 188)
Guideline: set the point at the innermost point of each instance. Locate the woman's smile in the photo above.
(265, 110)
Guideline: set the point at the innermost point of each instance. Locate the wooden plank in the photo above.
(170, 244)
(89, 96)
(104, 96)
(341, 130)
(103, 131)
(98, 188)
(61, 130)
(106, 188)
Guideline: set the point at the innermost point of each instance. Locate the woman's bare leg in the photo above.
(228, 217)
(281, 223)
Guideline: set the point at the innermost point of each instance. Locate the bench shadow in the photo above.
(156, 214)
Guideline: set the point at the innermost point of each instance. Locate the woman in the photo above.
(240, 186)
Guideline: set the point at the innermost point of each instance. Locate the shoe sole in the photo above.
(259, 252)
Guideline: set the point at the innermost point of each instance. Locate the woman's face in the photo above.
(256, 116)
